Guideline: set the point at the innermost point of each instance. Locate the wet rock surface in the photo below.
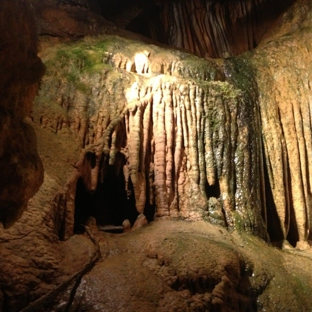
(189, 266)
(169, 135)
(165, 133)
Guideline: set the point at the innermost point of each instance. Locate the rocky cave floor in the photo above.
(172, 265)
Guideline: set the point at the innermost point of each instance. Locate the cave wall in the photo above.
(96, 103)
(21, 168)
(196, 167)
(190, 139)
(21, 70)
(219, 28)
(284, 78)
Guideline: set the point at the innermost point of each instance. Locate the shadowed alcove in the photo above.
(109, 204)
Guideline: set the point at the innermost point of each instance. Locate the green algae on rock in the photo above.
(167, 119)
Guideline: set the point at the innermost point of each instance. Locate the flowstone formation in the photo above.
(284, 84)
(124, 127)
(186, 142)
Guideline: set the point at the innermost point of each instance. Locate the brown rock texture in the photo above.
(189, 266)
(284, 78)
(204, 27)
(176, 132)
(20, 72)
(126, 128)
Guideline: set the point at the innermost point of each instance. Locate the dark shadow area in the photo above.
(149, 212)
(149, 24)
(273, 227)
(84, 207)
(213, 190)
(210, 27)
(293, 234)
(91, 158)
(110, 204)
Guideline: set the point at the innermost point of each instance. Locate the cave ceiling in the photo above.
(209, 28)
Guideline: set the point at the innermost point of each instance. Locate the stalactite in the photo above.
(134, 146)
(302, 174)
(289, 130)
(126, 173)
(217, 116)
(185, 128)
(167, 99)
(275, 149)
(112, 152)
(200, 138)
(160, 150)
(307, 172)
(177, 150)
(146, 148)
(217, 29)
(191, 121)
(209, 159)
(178, 131)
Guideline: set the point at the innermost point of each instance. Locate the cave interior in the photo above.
(230, 29)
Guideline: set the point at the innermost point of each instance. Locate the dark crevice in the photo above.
(195, 285)
(212, 190)
(91, 158)
(274, 226)
(109, 204)
(293, 233)
(73, 294)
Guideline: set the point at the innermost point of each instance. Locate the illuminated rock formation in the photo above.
(178, 132)
(184, 132)
(172, 138)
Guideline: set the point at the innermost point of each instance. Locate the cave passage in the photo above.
(109, 204)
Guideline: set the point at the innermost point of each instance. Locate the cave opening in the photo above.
(110, 204)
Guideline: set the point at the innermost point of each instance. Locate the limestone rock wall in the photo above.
(129, 108)
(20, 72)
(186, 140)
(284, 80)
